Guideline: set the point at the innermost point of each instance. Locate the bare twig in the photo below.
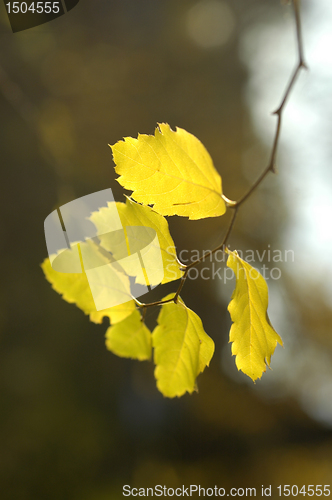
(219, 247)
(235, 205)
(300, 64)
(182, 282)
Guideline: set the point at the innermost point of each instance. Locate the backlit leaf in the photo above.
(75, 289)
(182, 349)
(253, 337)
(133, 214)
(171, 171)
(130, 338)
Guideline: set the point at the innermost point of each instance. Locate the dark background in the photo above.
(76, 422)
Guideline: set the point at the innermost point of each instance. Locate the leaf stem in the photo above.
(151, 304)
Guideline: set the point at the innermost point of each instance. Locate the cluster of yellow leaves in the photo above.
(182, 349)
(172, 172)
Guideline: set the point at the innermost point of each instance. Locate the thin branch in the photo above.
(235, 205)
(173, 299)
(296, 7)
(143, 314)
(186, 269)
(219, 247)
(301, 64)
(182, 282)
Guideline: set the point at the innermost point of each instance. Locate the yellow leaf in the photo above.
(75, 289)
(253, 337)
(132, 214)
(182, 349)
(171, 171)
(130, 338)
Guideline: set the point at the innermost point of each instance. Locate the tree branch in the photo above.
(300, 64)
(219, 247)
(235, 205)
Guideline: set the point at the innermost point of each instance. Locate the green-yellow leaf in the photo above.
(75, 289)
(133, 214)
(182, 349)
(252, 335)
(130, 338)
(171, 171)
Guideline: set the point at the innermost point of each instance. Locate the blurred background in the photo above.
(77, 422)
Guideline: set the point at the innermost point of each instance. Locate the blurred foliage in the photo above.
(76, 422)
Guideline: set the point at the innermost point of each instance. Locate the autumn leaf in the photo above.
(130, 338)
(172, 171)
(133, 214)
(182, 349)
(253, 338)
(75, 289)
